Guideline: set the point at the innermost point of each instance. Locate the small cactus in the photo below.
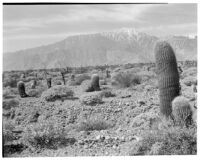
(21, 89)
(94, 86)
(181, 111)
(49, 82)
(107, 73)
(168, 76)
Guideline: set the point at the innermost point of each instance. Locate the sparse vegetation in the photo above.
(124, 79)
(93, 124)
(64, 120)
(169, 141)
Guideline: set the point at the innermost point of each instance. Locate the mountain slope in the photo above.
(121, 46)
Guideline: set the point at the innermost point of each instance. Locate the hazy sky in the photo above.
(34, 25)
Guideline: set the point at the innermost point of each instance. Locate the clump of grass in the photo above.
(91, 99)
(107, 93)
(10, 103)
(125, 79)
(93, 124)
(57, 93)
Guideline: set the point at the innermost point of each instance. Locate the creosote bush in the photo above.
(79, 79)
(91, 98)
(125, 79)
(57, 93)
(93, 124)
(169, 141)
(45, 134)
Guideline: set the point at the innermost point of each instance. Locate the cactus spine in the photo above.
(168, 76)
(21, 89)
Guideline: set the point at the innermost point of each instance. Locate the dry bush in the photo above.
(10, 81)
(79, 79)
(125, 79)
(9, 92)
(57, 93)
(10, 103)
(46, 134)
(93, 124)
(107, 93)
(188, 81)
(91, 98)
(168, 141)
(10, 139)
(190, 72)
(103, 82)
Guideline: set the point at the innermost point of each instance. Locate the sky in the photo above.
(28, 26)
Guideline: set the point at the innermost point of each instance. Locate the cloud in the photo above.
(31, 23)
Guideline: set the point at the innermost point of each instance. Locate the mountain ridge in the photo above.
(113, 47)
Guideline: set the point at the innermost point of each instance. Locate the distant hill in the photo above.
(117, 47)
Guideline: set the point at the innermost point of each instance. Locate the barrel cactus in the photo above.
(94, 86)
(49, 82)
(181, 111)
(21, 89)
(168, 76)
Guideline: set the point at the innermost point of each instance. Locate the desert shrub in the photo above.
(91, 99)
(46, 134)
(103, 82)
(107, 93)
(10, 139)
(8, 127)
(57, 93)
(28, 79)
(188, 81)
(93, 124)
(125, 79)
(79, 79)
(10, 81)
(169, 141)
(190, 72)
(9, 93)
(10, 103)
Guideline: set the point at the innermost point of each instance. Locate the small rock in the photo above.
(80, 142)
(123, 139)
(86, 146)
(106, 153)
(114, 146)
(116, 138)
(107, 137)
(127, 104)
(98, 137)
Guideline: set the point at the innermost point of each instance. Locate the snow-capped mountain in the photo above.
(115, 47)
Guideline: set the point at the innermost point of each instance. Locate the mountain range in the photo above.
(115, 47)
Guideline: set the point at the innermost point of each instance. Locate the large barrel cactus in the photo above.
(168, 76)
(21, 89)
(94, 86)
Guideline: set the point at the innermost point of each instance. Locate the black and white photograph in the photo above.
(99, 79)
